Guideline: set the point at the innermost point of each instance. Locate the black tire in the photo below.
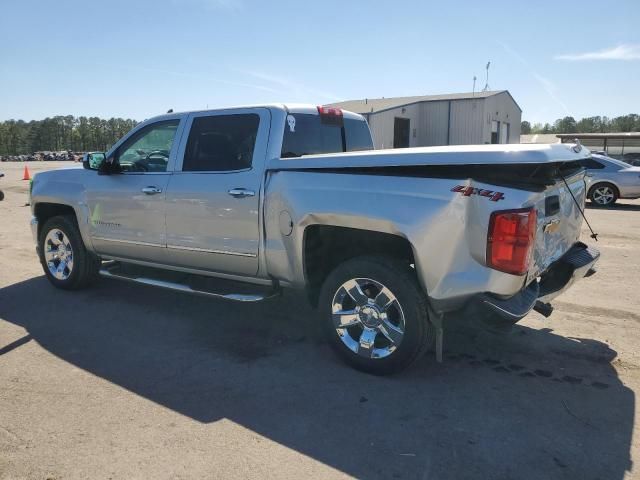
(419, 333)
(595, 188)
(1, 195)
(85, 264)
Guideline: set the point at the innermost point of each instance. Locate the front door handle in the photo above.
(151, 190)
(241, 193)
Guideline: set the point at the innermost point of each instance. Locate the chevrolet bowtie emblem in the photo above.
(552, 227)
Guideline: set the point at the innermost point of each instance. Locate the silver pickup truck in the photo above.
(240, 203)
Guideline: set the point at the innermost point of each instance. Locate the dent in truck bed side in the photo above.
(447, 232)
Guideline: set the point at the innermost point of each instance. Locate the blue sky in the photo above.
(138, 58)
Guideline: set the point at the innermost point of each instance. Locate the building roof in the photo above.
(616, 135)
(375, 105)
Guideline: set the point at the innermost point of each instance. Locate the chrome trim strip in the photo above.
(211, 172)
(131, 242)
(204, 250)
(110, 271)
(195, 271)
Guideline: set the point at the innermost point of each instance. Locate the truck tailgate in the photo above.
(559, 221)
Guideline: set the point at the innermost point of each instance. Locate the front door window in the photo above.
(148, 150)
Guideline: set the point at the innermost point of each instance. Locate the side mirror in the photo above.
(93, 160)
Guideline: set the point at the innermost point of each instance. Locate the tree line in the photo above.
(598, 124)
(78, 134)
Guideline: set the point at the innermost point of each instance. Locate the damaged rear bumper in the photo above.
(577, 263)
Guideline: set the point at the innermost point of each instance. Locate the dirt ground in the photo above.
(126, 381)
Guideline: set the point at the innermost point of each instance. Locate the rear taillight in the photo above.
(510, 240)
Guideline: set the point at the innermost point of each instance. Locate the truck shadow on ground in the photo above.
(530, 404)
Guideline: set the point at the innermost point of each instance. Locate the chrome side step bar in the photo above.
(111, 270)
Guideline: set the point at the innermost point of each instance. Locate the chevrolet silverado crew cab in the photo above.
(242, 202)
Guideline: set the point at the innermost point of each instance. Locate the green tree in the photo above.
(18, 137)
(565, 125)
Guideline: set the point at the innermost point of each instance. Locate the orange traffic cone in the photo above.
(26, 175)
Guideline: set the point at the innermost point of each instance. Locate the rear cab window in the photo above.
(312, 133)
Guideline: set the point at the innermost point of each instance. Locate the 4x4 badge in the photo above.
(468, 191)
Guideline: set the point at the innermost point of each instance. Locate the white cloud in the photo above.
(200, 77)
(621, 52)
(292, 87)
(547, 85)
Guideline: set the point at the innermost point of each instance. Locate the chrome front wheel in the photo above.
(66, 262)
(368, 318)
(58, 254)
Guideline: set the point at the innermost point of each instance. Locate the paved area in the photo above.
(124, 381)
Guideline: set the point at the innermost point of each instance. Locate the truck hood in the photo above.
(449, 155)
(72, 172)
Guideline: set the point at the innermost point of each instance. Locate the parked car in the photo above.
(384, 243)
(632, 158)
(609, 179)
(1, 192)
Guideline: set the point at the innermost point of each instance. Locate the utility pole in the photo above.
(486, 85)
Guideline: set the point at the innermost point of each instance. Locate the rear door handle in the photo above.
(151, 190)
(241, 193)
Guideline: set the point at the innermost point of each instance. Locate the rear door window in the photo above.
(221, 143)
(309, 135)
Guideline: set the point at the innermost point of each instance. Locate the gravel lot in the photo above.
(125, 381)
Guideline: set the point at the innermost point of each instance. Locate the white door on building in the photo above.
(504, 133)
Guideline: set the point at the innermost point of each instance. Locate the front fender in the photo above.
(63, 187)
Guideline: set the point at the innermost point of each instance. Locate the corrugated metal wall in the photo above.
(381, 125)
(466, 122)
(432, 124)
(502, 108)
(434, 121)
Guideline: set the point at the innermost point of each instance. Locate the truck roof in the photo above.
(284, 107)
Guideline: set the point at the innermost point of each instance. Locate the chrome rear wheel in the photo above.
(374, 314)
(368, 318)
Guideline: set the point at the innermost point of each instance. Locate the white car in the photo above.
(609, 179)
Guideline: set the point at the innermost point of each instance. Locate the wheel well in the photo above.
(45, 211)
(325, 247)
(595, 185)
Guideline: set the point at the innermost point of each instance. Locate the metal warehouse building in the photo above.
(454, 119)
